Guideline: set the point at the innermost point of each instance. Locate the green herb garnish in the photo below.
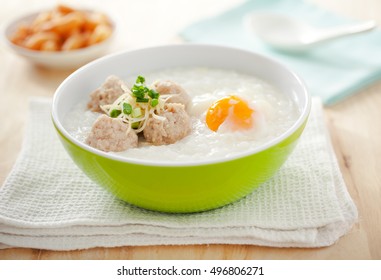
(140, 80)
(154, 102)
(139, 91)
(115, 113)
(135, 125)
(127, 108)
(142, 100)
(142, 93)
(153, 94)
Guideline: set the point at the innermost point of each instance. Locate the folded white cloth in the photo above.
(47, 202)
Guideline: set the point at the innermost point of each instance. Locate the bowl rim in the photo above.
(15, 21)
(305, 111)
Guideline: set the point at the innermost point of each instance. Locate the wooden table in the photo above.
(354, 124)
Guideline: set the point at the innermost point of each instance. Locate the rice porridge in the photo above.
(272, 114)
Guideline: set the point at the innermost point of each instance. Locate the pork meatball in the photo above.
(179, 94)
(107, 93)
(175, 126)
(111, 135)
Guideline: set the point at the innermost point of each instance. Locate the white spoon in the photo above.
(288, 34)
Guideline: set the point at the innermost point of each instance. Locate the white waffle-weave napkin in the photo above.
(46, 202)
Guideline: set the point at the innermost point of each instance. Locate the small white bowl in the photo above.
(59, 59)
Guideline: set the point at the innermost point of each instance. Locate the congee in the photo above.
(181, 114)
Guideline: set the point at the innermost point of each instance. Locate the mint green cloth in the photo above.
(332, 71)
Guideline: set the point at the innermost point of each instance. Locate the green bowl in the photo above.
(180, 187)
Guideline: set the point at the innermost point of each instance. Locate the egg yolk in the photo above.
(232, 109)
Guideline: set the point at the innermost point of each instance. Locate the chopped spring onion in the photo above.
(138, 91)
(142, 100)
(154, 102)
(127, 108)
(153, 94)
(135, 125)
(140, 80)
(115, 113)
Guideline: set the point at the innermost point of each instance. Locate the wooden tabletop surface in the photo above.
(354, 125)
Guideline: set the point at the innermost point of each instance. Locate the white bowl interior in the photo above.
(81, 83)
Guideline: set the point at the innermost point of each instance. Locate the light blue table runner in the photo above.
(332, 71)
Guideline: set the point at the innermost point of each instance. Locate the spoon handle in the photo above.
(348, 30)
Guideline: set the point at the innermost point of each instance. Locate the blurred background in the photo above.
(150, 22)
(140, 22)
